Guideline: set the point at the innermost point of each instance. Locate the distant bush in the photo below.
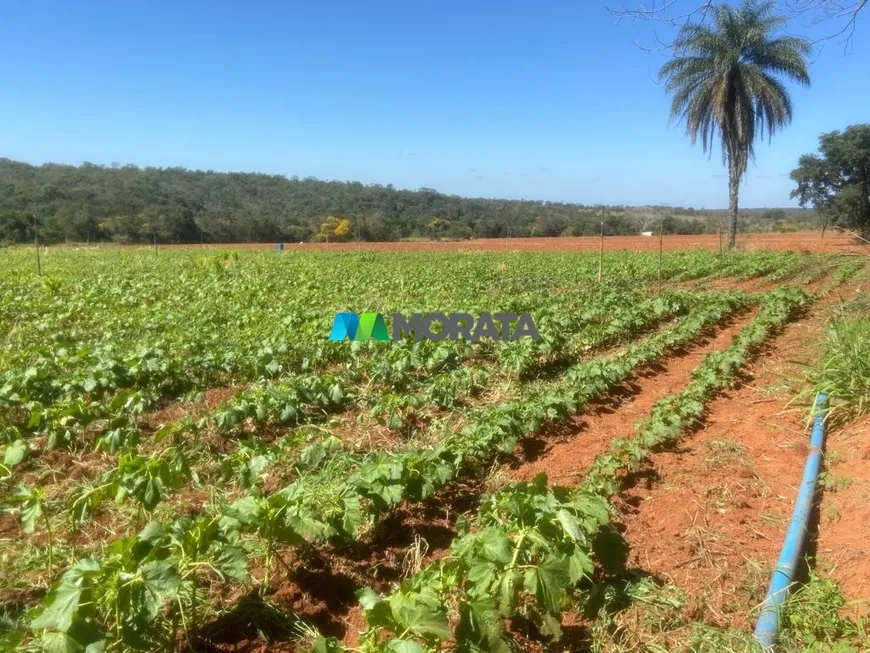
(441, 229)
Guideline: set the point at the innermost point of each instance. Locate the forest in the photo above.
(129, 204)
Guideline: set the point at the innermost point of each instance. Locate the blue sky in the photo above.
(545, 100)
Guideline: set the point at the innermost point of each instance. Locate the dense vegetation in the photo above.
(837, 180)
(173, 205)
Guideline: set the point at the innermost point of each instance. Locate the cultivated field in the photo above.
(189, 464)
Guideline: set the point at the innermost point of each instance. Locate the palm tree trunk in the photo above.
(733, 188)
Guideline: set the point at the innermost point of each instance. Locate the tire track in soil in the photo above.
(709, 515)
(567, 459)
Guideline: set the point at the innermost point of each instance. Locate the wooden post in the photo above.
(601, 255)
(720, 237)
(661, 250)
(36, 242)
(154, 240)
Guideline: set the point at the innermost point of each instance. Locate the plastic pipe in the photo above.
(768, 623)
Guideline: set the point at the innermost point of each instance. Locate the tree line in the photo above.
(128, 204)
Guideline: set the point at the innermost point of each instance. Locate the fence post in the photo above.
(601, 255)
(36, 242)
(661, 250)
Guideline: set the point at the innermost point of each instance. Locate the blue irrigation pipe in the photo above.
(768, 623)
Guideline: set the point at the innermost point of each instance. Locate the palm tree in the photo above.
(724, 78)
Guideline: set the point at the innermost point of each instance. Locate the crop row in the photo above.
(315, 507)
(147, 479)
(531, 543)
(301, 399)
(43, 400)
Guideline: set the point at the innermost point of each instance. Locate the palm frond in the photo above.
(725, 79)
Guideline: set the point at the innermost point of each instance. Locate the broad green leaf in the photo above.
(160, 575)
(55, 642)
(481, 617)
(481, 576)
(579, 565)
(570, 524)
(232, 562)
(15, 453)
(246, 510)
(496, 545)
(160, 581)
(30, 514)
(593, 511)
(551, 626)
(312, 455)
(63, 603)
(352, 516)
(547, 582)
(368, 598)
(152, 532)
(412, 613)
(87, 567)
(396, 645)
(9, 641)
(391, 495)
(310, 529)
(377, 610)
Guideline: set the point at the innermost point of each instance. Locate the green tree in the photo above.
(774, 215)
(375, 227)
(837, 181)
(725, 81)
(548, 226)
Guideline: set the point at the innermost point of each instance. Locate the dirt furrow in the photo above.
(709, 515)
(566, 455)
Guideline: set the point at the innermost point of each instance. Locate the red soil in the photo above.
(566, 461)
(174, 411)
(710, 515)
(807, 242)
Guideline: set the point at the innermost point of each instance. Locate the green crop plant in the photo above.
(97, 367)
(34, 511)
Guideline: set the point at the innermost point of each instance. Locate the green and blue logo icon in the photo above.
(368, 326)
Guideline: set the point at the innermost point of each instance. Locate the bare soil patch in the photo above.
(810, 242)
(174, 411)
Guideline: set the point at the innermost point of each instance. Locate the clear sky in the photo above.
(547, 100)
